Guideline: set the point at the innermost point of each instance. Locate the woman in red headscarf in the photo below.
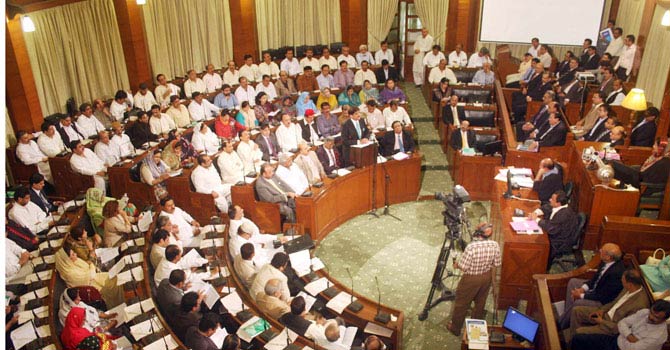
(76, 337)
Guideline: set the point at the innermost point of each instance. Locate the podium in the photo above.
(363, 156)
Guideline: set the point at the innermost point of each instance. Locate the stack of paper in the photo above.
(232, 302)
(526, 226)
(317, 286)
(150, 326)
(301, 262)
(286, 336)
(477, 332)
(340, 302)
(218, 337)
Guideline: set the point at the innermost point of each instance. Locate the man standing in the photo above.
(478, 263)
(629, 61)
(423, 44)
(354, 131)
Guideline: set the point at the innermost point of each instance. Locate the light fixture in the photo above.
(27, 24)
(665, 21)
(635, 100)
(141, 2)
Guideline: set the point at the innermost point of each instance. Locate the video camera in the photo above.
(453, 203)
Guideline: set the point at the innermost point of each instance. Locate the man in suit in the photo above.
(187, 316)
(607, 83)
(354, 131)
(295, 320)
(560, 226)
(68, 131)
(534, 92)
(568, 76)
(267, 142)
(644, 132)
(552, 134)
(329, 156)
(587, 320)
(453, 114)
(548, 180)
(601, 289)
(525, 128)
(310, 132)
(38, 195)
(396, 141)
(386, 72)
(599, 126)
(590, 60)
(169, 293)
(271, 189)
(585, 124)
(308, 162)
(463, 137)
(573, 91)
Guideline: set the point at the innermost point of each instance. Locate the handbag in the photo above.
(653, 260)
(658, 276)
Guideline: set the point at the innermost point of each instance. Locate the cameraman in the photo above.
(478, 263)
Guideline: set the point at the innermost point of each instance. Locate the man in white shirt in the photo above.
(109, 152)
(267, 87)
(173, 261)
(364, 55)
(326, 58)
(189, 229)
(122, 140)
(50, 142)
(422, 45)
(193, 84)
(345, 56)
(249, 69)
(395, 113)
(244, 264)
(534, 47)
(29, 153)
(309, 60)
(478, 58)
(120, 105)
(267, 67)
(433, 58)
(243, 230)
(232, 75)
(16, 263)
(290, 64)
(442, 71)
(68, 131)
(206, 180)
(165, 90)
(201, 109)
(288, 134)
(87, 123)
(273, 270)
(364, 74)
(245, 92)
(230, 165)
(212, 79)
(325, 79)
(85, 162)
(290, 174)
(458, 57)
(144, 98)
(626, 63)
(384, 53)
(373, 116)
(308, 162)
(160, 123)
(544, 56)
(178, 112)
(28, 214)
(615, 47)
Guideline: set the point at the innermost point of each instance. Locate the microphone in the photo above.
(289, 345)
(381, 317)
(330, 291)
(354, 306)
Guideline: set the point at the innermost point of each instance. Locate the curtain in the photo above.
(183, 35)
(606, 15)
(656, 60)
(76, 52)
(380, 19)
(629, 16)
(282, 23)
(433, 15)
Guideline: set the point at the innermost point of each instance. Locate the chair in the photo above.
(651, 196)
(300, 51)
(482, 140)
(92, 297)
(568, 188)
(336, 48)
(577, 258)
(481, 118)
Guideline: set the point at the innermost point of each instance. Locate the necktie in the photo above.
(596, 126)
(331, 157)
(400, 145)
(272, 149)
(454, 112)
(358, 128)
(45, 201)
(464, 137)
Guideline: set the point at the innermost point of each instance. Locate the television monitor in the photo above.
(491, 148)
(521, 325)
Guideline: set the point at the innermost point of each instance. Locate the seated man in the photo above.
(173, 256)
(271, 301)
(295, 320)
(539, 83)
(452, 113)
(271, 189)
(327, 124)
(50, 141)
(310, 132)
(396, 141)
(363, 74)
(160, 240)
(17, 263)
(308, 162)
(463, 137)
(396, 113)
(230, 165)
(373, 116)
(109, 152)
(484, 76)
(29, 153)
(604, 319)
(560, 226)
(244, 264)
(189, 229)
(267, 142)
(243, 230)
(552, 134)
(38, 196)
(373, 343)
(617, 136)
(87, 123)
(28, 214)
(274, 270)
(169, 293)
(442, 71)
(207, 180)
(655, 169)
(547, 180)
(525, 128)
(601, 289)
(288, 134)
(329, 156)
(85, 162)
(644, 132)
(291, 175)
(188, 315)
(199, 337)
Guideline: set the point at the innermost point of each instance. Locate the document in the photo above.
(317, 286)
(253, 327)
(218, 337)
(362, 145)
(340, 302)
(193, 259)
(279, 342)
(373, 328)
(211, 243)
(40, 312)
(309, 300)
(342, 172)
(107, 254)
(232, 302)
(317, 264)
(526, 226)
(139, 308)
(41, 276)
(120, 312)
(477, 333)
(23, 335)
(135, 274)
(36, 294)
(145, 328)
(145, 221)
(301, 262)
(400, 156)
(165, 343)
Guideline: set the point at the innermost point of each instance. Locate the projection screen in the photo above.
(558, 22)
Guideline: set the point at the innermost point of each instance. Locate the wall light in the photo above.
(27, 24)
(665, 21)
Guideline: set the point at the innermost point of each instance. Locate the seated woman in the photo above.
(247, 116)
(204, 140)
(391, 92)
(369, 92)
(262, 109)
(154, 172)
(344, 116)
(95, 201)
(82, 246)
(227, 127)
(140, 132)
(77, 273)
(94, 320)
(349, 97)
(326, 96)
(304, 103)
(117, 224)
(179, 151)
(288, 107)
(76, 337)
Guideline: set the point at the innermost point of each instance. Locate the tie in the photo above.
(358, 128)
(276, 187)
(331, 157)
(45, 201)
(454, 112)
(596, 126)
(400, 145)
(464, 137)
(312, 133)
(272, 149)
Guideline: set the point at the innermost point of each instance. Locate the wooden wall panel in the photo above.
(354, 14)
(129, 18)
(243, 22)
(462, 25)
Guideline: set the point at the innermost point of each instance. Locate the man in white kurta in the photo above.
(394, 113)
(144, 98)
(267, 87)
(29, 153)
(422, 45)
(232, 75)
(442, 71)
(50, 142)
(384, 54)
(28, 214)
(193, 84)
(201, 109)
(288, 134)
(16, 263)
(85, 162)
(212, 79)
(267, 67)
(458, 57)
(249, 153)
(206, 180)
(160, 123)
(245, 92)
(122, 140)
(243, 230)
(364, 74)
(326, 58)
(105, 149)
(291, 175)
(249, 69)
(189, 229)
(478, 59)
(165, 90)
(290, 64)
(433, 58)
(230, 165)
(87, 123)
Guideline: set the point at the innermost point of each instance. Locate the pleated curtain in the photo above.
(380, 20)
(629, 16)
(656, 60)
(433, 15)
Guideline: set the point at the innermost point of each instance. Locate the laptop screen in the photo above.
(520, 324)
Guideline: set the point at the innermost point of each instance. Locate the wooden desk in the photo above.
(508, 344)
(523, 255)
(68, 183)
(595, 199)
(470, 173)
(139, 193)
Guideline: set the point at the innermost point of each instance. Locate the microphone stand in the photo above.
(373, 211)
(289, 344)
(381, 317)
(354, 306)
(387, 184)
(330, 291)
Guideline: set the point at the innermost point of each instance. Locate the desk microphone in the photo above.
(289, 345)
(330, 291)
(354, 306)
(381, 317)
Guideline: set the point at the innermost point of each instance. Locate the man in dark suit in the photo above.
(38, 196)
(354, 131)
(570, 74)
(548, 180)
(535, 92)
(560, 226)
(68, 131)
(644, 132)
(601, 289)
(590, 60)
(396, 141)
(463, 137)
(310, 132)
(267, 142)
(187, 316)
(295, 320)
(607, 83)
(572, 92)
(386, 72)
(271, 189)
(169, 293)
(552, 134)
(329, 156)
(599, 125)
(452, 113)
(525, 128)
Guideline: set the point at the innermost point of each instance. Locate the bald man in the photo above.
(601, 289)
(547, 180)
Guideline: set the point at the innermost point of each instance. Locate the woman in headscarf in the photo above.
(117, 224)
(304, 103)
(227, 127)
(344, 116)
(288, 107)
(391, 92)
(94, 319)
(140, 132)
(349, 97)
(204, 140)
(95, 200)
(326, 96)
(262, 109)
(179, 150)
(249, 117)
(75, 337)
(368, 92)
(154, 172)
(82, 246)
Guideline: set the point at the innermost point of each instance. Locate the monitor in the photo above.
(491, 148)
(520, 324)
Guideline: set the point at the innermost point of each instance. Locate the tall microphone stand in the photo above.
(387, 185)
(373, 211)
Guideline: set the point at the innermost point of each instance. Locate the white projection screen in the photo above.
(558, 22)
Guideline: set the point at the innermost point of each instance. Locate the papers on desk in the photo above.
(165, 343)
(132, 243)
(54, 243)
(40, 312)
(135, 274)
(520, 176)
(279, 342)
(36, 294)
(301, 262)
(123, 344)
(138, 308)
(218, 337)
(59, 229)
(274, 113)
(253, 327)
(309, 300)
(145, 328)
(193, 259)
(342, 172)
(23, 335)
(139, 152)
(145, 221)
(340, 302)
(175, 173)
(373, 328)
(526, 226)
(468, 152)
(317, 286)
(107, 254)
(362, 145)
(40, 276)
(400, 156)
(120, 312)
(211, 296)
(232, 302)
(317, 264)
(211, 243)
(477, 333)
